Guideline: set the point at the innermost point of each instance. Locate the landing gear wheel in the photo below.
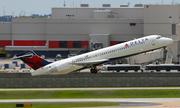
(93, 70)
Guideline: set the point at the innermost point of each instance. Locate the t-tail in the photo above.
(32, 59)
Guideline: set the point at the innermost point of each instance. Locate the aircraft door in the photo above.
(153, 42)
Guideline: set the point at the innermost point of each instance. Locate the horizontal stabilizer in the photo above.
(24, 56)
(28, 54)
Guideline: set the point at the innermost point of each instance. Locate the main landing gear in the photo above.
(93, 70)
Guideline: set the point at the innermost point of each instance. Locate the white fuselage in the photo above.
(118, 51)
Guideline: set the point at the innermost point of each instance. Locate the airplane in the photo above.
(93, 58)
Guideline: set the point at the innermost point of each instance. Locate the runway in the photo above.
(124, 102)
(111, 100)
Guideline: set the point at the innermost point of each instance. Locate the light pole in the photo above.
(171, 26)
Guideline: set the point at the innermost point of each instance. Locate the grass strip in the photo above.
(90, 94)
(60, 105)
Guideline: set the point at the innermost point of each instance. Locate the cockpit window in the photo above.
(159, 37)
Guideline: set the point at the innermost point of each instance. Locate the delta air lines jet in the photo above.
(94, 58)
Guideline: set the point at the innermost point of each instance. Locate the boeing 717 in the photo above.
(93, 58)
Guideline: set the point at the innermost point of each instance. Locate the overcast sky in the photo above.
(28, 7)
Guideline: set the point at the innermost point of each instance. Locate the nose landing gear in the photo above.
(165, 50)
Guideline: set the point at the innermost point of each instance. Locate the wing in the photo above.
(89, 63)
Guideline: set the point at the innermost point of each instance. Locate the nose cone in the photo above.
(169, 41)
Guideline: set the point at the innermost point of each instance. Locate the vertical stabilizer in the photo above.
(32, 59)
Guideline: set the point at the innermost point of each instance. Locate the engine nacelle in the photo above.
(40, 71)
(53, 69)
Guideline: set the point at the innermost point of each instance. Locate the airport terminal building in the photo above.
(81, 29)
